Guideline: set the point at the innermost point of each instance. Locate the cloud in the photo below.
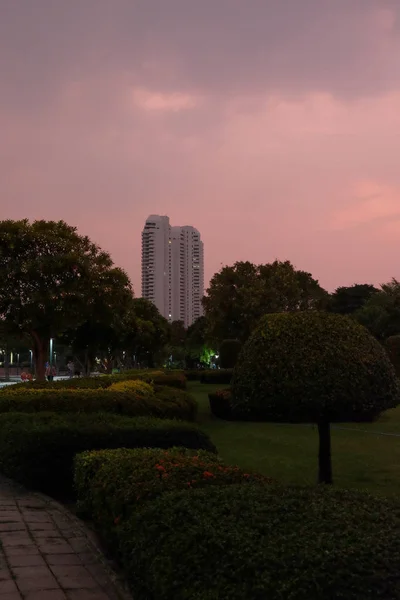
(161, 102)
(370, 203)
(271, 125)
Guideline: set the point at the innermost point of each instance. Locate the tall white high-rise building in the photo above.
(156, 262)
(173, 269)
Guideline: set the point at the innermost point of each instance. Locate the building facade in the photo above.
(173, 269)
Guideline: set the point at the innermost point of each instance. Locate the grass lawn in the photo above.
(362, 457)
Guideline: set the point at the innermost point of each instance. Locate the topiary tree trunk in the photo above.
(324, 454)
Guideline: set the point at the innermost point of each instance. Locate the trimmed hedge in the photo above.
(112, 484)
(104, 381)
(38, 449)
(223, 376)
(193, 374)
(312, 367)
(163, 402)
(257, 542)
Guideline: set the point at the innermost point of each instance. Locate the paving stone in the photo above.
(21, 551)
(16, 538)
(45, 595)
(42, 526)
(74, 577)
(13, 526)
(45, 554)
(86, 595)
(26, 560)
(54, 547)
(79, 544)
(31, 579)
(64, 559)
(7, 586)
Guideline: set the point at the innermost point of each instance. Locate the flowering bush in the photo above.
(112, 484)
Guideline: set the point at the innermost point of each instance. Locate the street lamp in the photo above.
(51, 352)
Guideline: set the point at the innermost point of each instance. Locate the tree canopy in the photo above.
(241, 294)
(347, 300)
(381, 313)
(53, 280)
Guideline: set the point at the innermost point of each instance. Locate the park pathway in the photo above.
(48, 554)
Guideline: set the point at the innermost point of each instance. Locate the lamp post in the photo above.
(51, 352)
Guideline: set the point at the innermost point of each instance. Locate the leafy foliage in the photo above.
(238, 296)
(257, 542)
(381, 313)
(312, 365)
(393, 348)
(53, 280)
(37, 450)
(216, 376)
(134, 401)
(347, 300)
(221, 404)
(228, 353)
(112, 484)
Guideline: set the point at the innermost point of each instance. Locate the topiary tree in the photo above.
(313, 367)
(228, 353)
(393, 348)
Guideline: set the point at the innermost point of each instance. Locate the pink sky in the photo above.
(273, 126)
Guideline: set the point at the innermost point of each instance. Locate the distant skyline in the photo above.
(272, 125)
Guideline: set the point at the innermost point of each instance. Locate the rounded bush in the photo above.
(309, 366)
(260, 541)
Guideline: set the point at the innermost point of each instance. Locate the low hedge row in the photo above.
(38, 449)
(112, 484)
(257, 542)
(162, 402)
(104, 381)
(223, 376)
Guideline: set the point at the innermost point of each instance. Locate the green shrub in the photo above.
(393, 348)
(82, 383)
(177, 380)
(228, 353)
(220, 404)
(193, 374)
(258, 542)
(216, 376)
(167, 403)
(112, 484)
(311, 366)
(38, 449)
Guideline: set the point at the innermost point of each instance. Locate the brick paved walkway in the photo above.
(48, 554)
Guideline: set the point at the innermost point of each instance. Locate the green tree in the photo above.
(381, 313)
(53, 280)
(152, 333)
(347, 300)
(228, 353)
(313, 367)
(239, 295)
(198, 350)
